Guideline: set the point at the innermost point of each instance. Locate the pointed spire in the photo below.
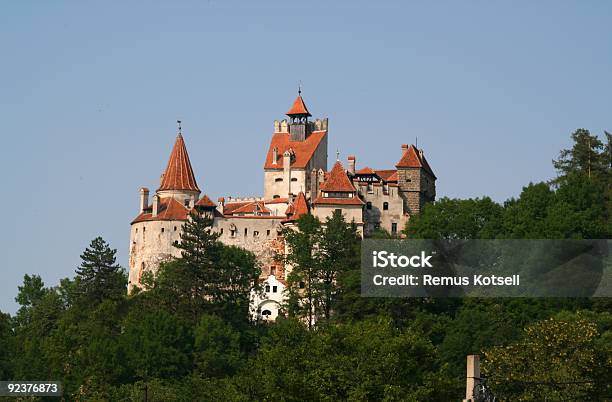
(299, 107)
(338, 181)
(179, 174)
(298, 208)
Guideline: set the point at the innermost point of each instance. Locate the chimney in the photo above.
(155, 205)
(351, 164)
(275, 155)
(144, 199)
(404, 147)
(221, 202)
(314, 185)
(472, 377)
(192, 201)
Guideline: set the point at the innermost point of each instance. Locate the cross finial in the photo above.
(180, 129)
(337, 154)
(300, 87)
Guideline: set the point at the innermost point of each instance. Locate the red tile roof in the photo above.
(279, 200)
(205, 202)
(298, 107)
(338, 201)
(412, 158)
(169, 209)
(337, 180)
(298, 208)
(179, 174)
(365, 170)
(248, 207)
(387, 174)
(303, 150)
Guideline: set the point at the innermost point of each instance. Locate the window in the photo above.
(268, 232)
(255, 233)
(394, 228)
(232, 232)
(221, 230)
(385, 206)
(275, 196)
(136, 230)
(246, 231)
(266, 313)
(370, 188)
(267, 288)
(176, 242)
(162, 230)
(274, 289)
(278, 179)
(338, 210)
(368, 205)
(175, 228)
(333, 194)
(302, 285)
(187, 202)
(294, 179)
(272, 270)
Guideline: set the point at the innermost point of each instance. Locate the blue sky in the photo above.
(90, 93)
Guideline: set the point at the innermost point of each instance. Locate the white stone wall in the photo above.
(270, 299)
(150, 246)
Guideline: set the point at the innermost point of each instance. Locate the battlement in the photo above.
(282, 126)
(230, 199)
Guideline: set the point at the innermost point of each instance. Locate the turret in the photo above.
(299, 129)
(178, 180)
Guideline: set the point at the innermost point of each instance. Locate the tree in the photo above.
(217, 348)
(338, 250)
(588, 156)
(367, 360)
(99, 276)
(478, 218)
(553, 361)
(302, 244)
(209, 277)
(156, 344)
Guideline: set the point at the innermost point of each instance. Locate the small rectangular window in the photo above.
(274, 289)
(394, 228)
(246, 231)
(268, 232)
(267, 288)
(255, 233)
(302, 285)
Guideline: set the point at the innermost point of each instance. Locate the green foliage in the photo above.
(555, 358)
(368, 360)
(156, 345)
(210, 277)
(217, 348)
(479, 218)
(99, 276)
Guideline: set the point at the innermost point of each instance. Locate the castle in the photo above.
(296, 182)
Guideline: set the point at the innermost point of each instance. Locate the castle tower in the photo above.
(178, 180)
(298, 119)
(158, 225)
(296, 148)
(416, 180)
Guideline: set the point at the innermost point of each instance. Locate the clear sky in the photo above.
(90, 94)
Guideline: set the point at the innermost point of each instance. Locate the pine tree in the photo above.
(339, 253)
(304, 261)
(209, 277)
(99, 276)
(588, 156)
